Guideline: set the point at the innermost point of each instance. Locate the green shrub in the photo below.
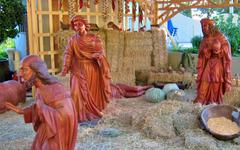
(196, 40)
(3, 55)
(8, 43)
(193, 50)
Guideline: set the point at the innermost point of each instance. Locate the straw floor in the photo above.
(171, 125)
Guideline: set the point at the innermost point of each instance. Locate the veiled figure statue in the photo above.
(214, 65)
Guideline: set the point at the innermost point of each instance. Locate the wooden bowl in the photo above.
(215, 111)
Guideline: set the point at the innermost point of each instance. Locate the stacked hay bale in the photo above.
(102, 34)
(160, 54)
(114, 49)
(170, 77)
(127, 52)
(121, 70)
(138, 47)
(126, 76)
(61, 40)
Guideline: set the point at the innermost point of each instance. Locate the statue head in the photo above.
(32, 68)
(208, 26)
(79, 24)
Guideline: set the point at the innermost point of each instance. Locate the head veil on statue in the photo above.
(81, 19)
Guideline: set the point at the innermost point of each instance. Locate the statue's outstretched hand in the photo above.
(13, 108)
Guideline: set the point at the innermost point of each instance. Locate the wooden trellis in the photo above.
(44, 17)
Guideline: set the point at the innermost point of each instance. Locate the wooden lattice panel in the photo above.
(44, 17)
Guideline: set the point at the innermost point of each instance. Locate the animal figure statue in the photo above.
(13, 92)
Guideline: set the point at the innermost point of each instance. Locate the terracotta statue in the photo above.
(90, 74)
(13, 92)
(214, 65)
(52, 114)
(123, 90)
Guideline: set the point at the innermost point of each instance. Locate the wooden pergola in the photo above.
(167, 9)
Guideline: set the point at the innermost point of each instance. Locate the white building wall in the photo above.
(187, 28)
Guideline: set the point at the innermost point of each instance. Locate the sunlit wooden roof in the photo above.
(166, 9)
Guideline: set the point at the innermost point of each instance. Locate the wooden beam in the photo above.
(30, 27)
(171, 8)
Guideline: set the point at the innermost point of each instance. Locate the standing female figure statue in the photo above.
(214, 65)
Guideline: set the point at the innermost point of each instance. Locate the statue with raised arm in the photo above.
(53, 113)
(90, 75)
(214, 65)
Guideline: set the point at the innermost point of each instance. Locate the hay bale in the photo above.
(61, 41)
(126, 76)
(170, 77)
(187, 95)
(160, 53)
(118, 112)
(179, 95)
(158, 120)
(198, 140)
(185, 121)
(114, 49)
(232, 97)
(102, 34)
(138, 46)
(129, 51)
(142, 77)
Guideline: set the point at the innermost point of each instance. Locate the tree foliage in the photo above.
(187, 13)
(11, 14)
(210, 11)
(231, 30)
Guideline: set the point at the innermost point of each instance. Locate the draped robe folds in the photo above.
(120, 90)
(214, 70)
(54, 118)
(90, 75)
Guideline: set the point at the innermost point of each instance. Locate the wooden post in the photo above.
(30, 26)
(155, 18)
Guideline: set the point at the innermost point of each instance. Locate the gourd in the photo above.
(154, 95)
(170, 87)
